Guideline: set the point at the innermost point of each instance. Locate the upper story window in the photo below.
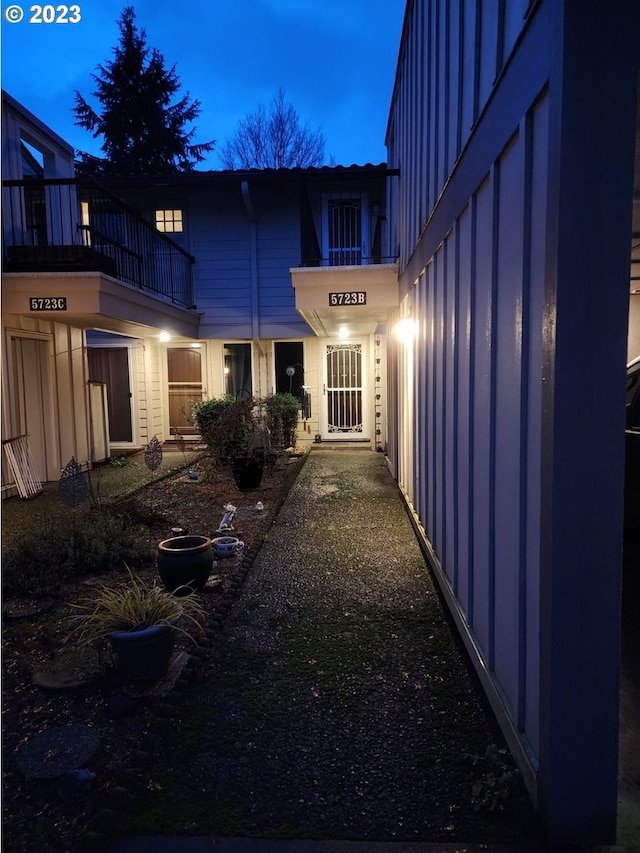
(345, 232)
(169, 221)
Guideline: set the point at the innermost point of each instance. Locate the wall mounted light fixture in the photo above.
(405, 330)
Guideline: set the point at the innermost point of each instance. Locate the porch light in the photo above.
(343, 332)
(405, 330)
(164, 337)
(196, 346)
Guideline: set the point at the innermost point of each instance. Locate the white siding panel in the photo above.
(429, 395)
(482, 346)
(508, 367)
(437, 407)
(453, 86)
(488, 13)
(449, 414)
(422, 358)
(464, 403)
(442, 93)
(539, 170)
(469, 69)
(514, 19)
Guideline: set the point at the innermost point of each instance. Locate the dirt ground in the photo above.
(48, 687)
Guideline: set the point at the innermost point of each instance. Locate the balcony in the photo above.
(77, 226)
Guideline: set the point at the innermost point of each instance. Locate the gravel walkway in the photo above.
(338, 704)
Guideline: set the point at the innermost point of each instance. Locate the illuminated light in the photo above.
(226, 371)
(196, 346)
(164, 336)
(343, 332)
(405, 330)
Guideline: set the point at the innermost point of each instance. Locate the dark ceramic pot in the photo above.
(144, 655)
(184, 562)
(247, 471)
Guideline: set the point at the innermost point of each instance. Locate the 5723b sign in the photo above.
(48, 303)
(349, 297)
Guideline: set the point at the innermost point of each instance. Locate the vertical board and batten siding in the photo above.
(468, 438)
(482, 128)
(64, 390)
(151, 390)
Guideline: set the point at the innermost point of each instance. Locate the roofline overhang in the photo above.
(97, 301)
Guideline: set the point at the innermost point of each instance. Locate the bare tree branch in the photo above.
(273, 138)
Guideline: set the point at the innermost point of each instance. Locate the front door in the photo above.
(111, 366)
(345, 404)
(184, 375)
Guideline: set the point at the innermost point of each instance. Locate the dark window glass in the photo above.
(289, 354)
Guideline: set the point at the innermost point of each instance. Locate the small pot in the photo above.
(185, 561)
(227, 546)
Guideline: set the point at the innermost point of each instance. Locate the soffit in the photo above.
(96, 301)
(358, 298)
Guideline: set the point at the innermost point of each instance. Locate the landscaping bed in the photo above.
(54, 696)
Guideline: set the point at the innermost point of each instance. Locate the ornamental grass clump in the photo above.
(134, 606)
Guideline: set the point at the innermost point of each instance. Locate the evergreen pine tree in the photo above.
(143, 130)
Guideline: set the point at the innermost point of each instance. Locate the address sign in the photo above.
(48, 303)
(349, 297)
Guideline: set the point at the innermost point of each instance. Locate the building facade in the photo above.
(513, 128)
(467, 309)
(127, 301)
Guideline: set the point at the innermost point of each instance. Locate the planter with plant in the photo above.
(235, 431)
(140, 619)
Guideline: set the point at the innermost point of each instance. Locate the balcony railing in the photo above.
(77, 225)
(348, 233)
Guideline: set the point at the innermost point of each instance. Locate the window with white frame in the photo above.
(169, 220)
(345, 231)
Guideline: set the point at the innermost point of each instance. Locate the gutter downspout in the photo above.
(255, 321)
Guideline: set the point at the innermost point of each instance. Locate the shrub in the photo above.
(229, 427)
(283, 414)
(41, 560)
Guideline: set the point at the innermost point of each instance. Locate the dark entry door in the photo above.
(111, 366)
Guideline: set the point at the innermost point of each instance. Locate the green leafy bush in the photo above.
(282, 415)
(229, 427)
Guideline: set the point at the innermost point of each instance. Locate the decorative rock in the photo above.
(117, 794)
(74, 668)
(71, 786)
(57, 751)
(122, 706)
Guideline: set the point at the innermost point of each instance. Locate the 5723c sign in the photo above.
(349, 297)
(48, 303)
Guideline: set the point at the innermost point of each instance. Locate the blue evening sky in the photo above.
(335, 59)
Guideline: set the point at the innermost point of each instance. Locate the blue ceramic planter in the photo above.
(144, 655)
